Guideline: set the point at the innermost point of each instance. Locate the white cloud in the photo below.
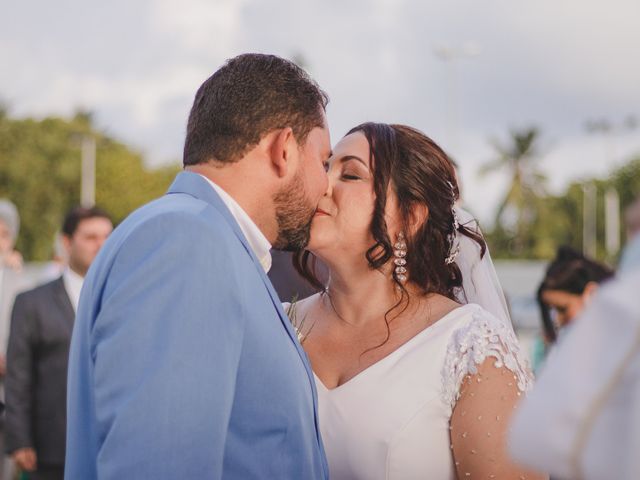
(211, 27)
(137, 64)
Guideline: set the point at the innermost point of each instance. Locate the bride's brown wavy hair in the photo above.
(420, 174)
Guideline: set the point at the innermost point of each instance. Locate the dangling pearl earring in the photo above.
(400, 252)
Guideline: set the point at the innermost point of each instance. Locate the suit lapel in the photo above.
(193, 184)
(294, 338)
(62, 299)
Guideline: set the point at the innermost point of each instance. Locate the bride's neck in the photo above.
(360, 295)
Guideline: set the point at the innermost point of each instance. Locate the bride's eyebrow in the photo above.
(346, 158)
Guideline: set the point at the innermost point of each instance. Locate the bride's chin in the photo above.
(317, 243)
(314, 246)
(318, 237)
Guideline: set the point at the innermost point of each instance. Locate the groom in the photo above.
(182, 363)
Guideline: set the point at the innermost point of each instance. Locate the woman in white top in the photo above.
(411, 384)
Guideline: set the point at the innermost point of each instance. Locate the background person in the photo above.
(569, 283)
(41, 325)
(581, 420)
(12, 281)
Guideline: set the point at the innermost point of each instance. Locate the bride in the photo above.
(411, 382)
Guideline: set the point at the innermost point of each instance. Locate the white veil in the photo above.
(480, 282)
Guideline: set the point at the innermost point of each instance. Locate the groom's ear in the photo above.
(283, 151)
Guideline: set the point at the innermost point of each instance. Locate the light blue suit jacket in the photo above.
(183, 364)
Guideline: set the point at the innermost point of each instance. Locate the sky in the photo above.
(556, 65)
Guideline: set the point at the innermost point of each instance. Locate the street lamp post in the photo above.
(611, 200)
(589, 215)
(88, 175)
(612, 221)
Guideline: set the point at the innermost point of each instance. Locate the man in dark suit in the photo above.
(37, 358)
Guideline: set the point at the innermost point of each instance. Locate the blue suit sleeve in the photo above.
(166, 346)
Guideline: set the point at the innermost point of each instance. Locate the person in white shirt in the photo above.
(582, 420)
(41, 326)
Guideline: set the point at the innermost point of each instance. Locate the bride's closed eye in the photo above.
(346, 175)
(353, 169)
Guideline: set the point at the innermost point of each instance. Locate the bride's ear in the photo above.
(418, 216)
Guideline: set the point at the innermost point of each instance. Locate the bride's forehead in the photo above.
(354, 140)
(355, 144)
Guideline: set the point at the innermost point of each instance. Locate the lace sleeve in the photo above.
(484, 336)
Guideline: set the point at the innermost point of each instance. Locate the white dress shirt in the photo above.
(73, 285)
(257, 241)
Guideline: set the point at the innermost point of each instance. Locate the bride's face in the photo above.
(342, 221)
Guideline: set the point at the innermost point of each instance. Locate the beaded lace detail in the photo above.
(484, 336)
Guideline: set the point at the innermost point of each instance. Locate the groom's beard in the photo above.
(294, 215)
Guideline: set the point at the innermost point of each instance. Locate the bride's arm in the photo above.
(479, 425)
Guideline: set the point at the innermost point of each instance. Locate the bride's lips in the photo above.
(320, 212)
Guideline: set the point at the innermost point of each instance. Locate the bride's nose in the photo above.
(331, 181)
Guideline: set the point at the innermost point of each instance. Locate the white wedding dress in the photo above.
(391, 421)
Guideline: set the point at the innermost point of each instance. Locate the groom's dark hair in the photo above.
(249, 96)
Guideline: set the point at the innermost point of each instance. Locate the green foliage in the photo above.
(626, 180)
(530, 223)
(521, 207)
(40, 173)
(559, 219)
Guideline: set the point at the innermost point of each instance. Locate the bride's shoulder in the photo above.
(477, 333)
(468, 317)
(472, 316)
(477, 336)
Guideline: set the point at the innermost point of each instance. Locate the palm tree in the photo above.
(520, 158)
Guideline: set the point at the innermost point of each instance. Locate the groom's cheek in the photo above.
(325, 181)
